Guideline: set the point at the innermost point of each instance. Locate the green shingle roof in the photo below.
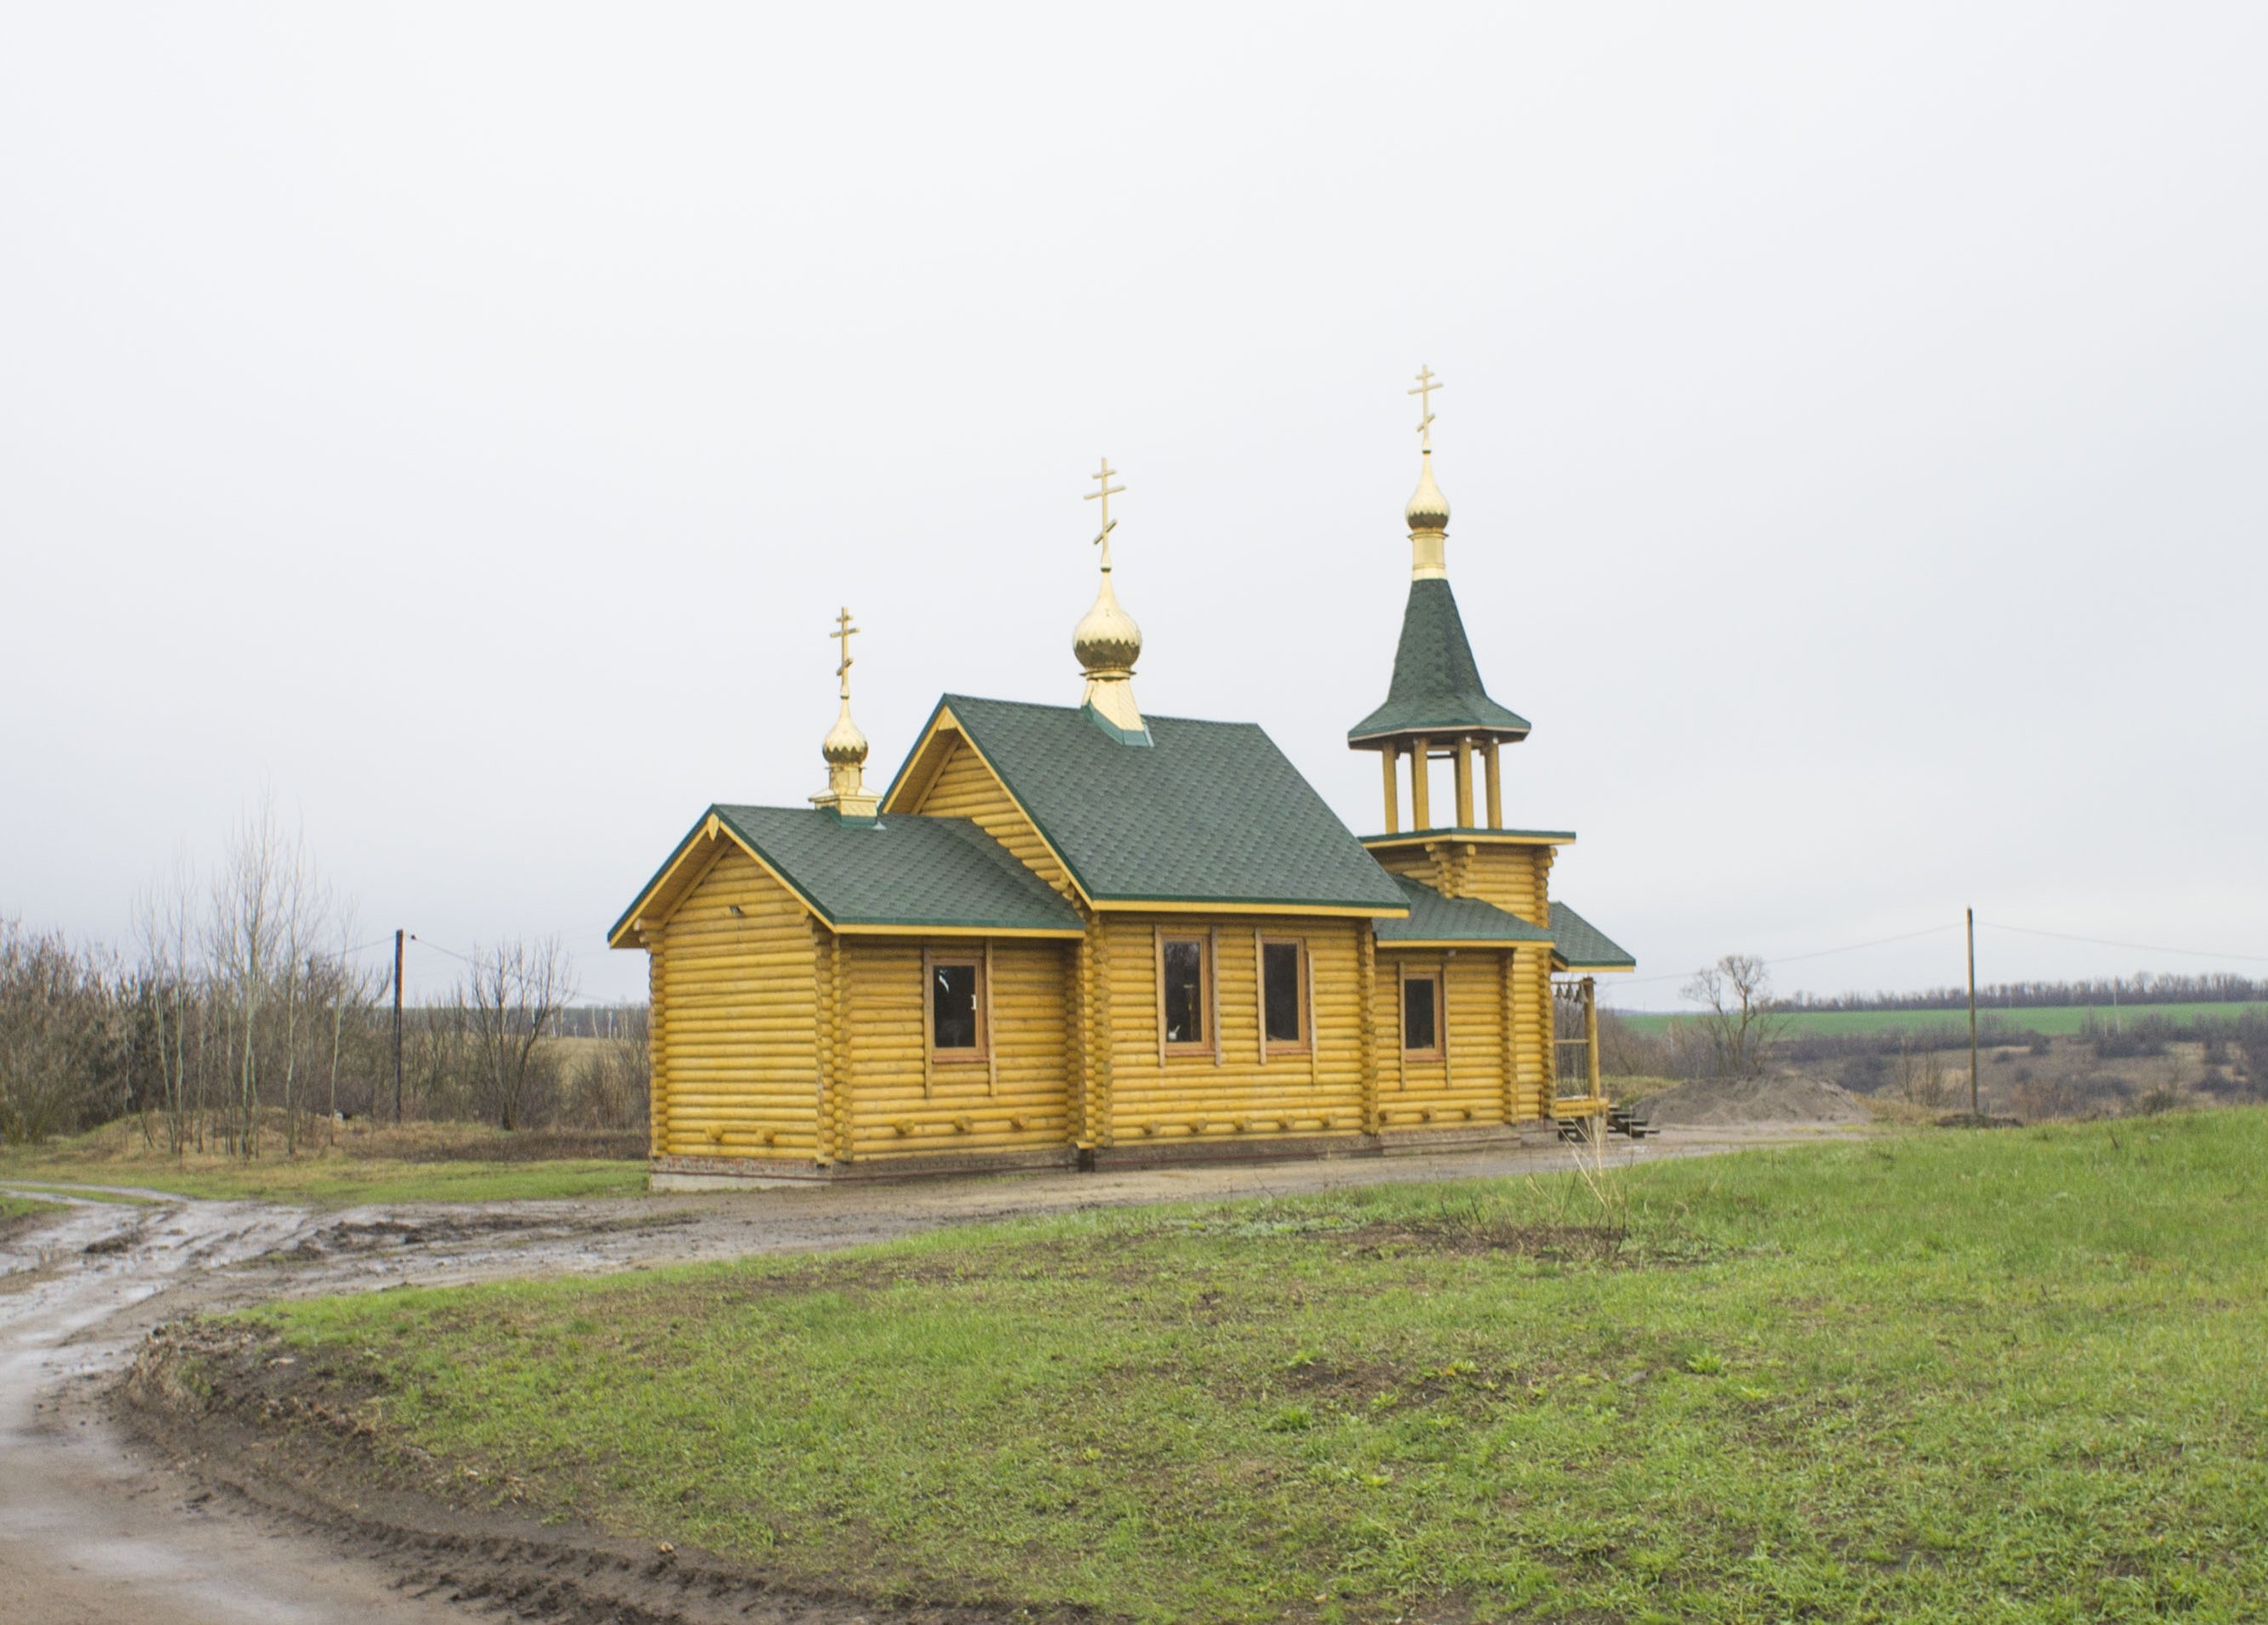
(1582, 946)
(1437, 686)
(1208, 811)
(1436, 918)
(924, 872)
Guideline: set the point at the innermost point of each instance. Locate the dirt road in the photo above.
(92, 1530)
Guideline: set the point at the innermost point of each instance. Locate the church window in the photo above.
(1284, 993)
(956, 994)
(1183, 963)
(1421, 1013)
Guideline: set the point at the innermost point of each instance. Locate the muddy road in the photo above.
(100, 1523)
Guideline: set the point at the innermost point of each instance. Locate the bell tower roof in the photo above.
(1436, 691)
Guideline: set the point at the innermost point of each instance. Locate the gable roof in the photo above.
(1580, 945)
(894, 874)
(1208, 812)
(1436, 918)
(1437, 684)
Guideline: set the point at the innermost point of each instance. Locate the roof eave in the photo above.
(1365, 908)
(1363, 735)
(1459, 832)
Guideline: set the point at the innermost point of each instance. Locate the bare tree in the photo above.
(1921, 1075)
(164, 920)
(615, 1086)
(242, 939)
(512, 998)
(1739, 1017)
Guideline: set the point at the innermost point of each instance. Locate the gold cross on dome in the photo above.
(1427, 384)
(843, 634)
(1105, 490)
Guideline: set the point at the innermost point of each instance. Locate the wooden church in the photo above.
(1081, 936)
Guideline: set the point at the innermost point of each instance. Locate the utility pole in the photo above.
(397, 1025)
(1974, 1109)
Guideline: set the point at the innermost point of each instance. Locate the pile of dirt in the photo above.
(1978, 1120)
(1723, 1102)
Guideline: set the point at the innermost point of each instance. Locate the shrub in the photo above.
(63, 1037)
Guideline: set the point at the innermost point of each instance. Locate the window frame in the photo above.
(978, 1053)
(1303, 993)
(1207, 1043)
(1439, 1048)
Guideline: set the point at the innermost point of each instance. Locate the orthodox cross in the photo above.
(1427, 384)
(843, 634)
(1105, 492)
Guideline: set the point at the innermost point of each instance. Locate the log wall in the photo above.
(904, 1101)
(1515, 879)
(1497, 1010)
(966, 788)
(737, 1025)
(1227, 1089)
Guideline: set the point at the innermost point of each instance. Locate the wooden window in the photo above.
(1185, 992)
(1422, 1014)
(1284, 1013)
(956, 1006)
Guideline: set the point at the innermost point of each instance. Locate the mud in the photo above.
(159, 1505)
(1761, 1102)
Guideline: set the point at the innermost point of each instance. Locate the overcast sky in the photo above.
(463, 422)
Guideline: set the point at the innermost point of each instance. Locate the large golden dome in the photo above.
(1106, 640)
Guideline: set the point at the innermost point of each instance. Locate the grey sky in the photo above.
(466, 419)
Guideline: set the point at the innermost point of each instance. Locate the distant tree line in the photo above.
(2143, 987)
(242, 1023)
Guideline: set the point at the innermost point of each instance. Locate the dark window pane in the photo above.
(952, 1008)
(1417, 1014)
(1279, 970)
(1185, 993)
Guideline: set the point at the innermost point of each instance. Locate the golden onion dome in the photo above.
(844, 747)
(1106, 639)
(1428, 509)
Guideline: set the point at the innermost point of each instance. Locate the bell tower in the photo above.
(1436, 707)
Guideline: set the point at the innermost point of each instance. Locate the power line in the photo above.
(1934, 930)
(1791, 959)
(2138, 947)
(438, 948)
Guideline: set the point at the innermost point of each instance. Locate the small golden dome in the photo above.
(1428, 509)
(1106, 640)
(844, 747)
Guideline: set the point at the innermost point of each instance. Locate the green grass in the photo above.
(35, 1188)
(2009, 1376)
(13, 1207)
(2061, 1022)
(337, 1181)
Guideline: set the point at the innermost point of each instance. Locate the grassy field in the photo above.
(414, 1163)
(2055, 1023)
(1949, 1376)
